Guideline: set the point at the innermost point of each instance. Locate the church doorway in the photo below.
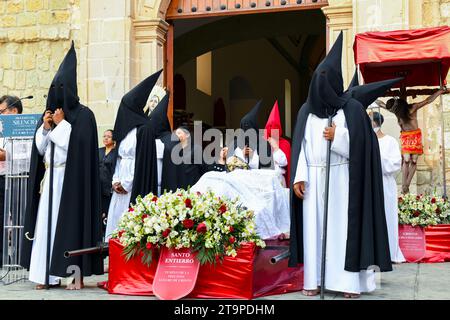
(220, 65)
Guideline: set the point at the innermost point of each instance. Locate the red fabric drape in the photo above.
(274, 123)
(414, 54)
(247, 276)
(438, 243)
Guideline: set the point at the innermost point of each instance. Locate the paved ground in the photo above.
(407, 282)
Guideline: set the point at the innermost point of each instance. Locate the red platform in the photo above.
(249, 275)
(438, 243)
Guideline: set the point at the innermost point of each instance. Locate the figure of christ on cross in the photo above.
(411, 135)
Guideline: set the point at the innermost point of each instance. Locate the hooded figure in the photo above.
(357, 233)
(273, 130)
(135, 171)
(76, 213)
(251, 138)
(159, 122)
(182, 161)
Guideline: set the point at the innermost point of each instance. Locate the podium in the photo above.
(18, 133)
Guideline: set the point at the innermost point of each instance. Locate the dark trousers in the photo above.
(2, 216)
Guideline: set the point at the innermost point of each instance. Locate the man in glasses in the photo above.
(8, 105)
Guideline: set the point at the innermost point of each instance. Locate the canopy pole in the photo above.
(441, 102)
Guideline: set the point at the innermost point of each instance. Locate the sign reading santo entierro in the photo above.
(18, 125)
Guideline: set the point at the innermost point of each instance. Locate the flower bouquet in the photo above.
(210, 225)
(423, 210)
(235, 162)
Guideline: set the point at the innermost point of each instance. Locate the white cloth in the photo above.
(123, 173)
(280, 162)
(311, 170)
(258, 190)
(60, 136)
(159, 157)
(391, 162)
(253, 161)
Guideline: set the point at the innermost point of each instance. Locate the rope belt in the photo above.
(47, 165)
(324, 165)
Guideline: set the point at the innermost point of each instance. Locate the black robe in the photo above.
(130, 116)
(182, 175)
(79, 219)
(145, 170)
(367, 239)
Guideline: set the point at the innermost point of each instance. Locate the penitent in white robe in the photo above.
(159, 161)
(391, 162)
(123, 173)
(60, 136)
(311, 170)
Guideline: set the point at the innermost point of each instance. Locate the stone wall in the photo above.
(34, 36)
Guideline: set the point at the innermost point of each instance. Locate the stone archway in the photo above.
(152, 33)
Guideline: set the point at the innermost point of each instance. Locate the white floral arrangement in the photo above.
(423, 210)
(235, 162)
(213, 227)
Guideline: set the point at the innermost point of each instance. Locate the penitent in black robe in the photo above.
(367, 239)
(131, 115)
(79, 219)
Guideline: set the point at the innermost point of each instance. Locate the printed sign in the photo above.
(18, 125)
(412, 242)
(176, 274)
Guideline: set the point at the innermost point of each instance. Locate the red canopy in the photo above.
(413, 54)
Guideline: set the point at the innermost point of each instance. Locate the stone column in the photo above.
(104, 57)
(339, 16)
(148, 48)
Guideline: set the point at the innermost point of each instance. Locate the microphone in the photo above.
(20, 99)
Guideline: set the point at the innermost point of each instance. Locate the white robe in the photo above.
(60, 136)
(279, 159)
(159, 157)
(391, 162)
(123, 173)
(311, 170)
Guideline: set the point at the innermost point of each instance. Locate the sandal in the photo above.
(310, 293)
(43, 286)
(351, 295)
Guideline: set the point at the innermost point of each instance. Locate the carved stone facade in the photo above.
(119, 42)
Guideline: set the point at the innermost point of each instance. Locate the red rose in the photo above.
(130, 209)
(166, 232)
(188, 203)
(149, 245)
(416, 214)
(121, 232)
(438, 210)
(201, 228)
(188, 223)
(433, 200)
(144, 216)
(400, 199)
(417, 197)
(232, 240)
(231, 229)
(155, 198)
(223, 209)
